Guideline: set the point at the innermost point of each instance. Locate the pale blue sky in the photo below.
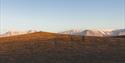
(59, 15)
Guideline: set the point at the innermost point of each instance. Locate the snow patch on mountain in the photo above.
(71, 32)
(97, 32)
(13, 33)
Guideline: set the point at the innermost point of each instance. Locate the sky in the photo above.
(60, 15)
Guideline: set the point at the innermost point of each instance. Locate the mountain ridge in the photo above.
(87, 32)
(98, 32)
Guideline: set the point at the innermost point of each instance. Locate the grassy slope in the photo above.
(43, 47)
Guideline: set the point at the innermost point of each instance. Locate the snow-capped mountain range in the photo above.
(13, 33)
(71, 32)
(88, 32)
(96, 32)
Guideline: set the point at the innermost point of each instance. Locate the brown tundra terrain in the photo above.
(44, 47)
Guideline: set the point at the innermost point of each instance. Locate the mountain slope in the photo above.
(97, 32)
(118, 32)
(89, 32)
(45, 47)
(13, 33)
(71, 32)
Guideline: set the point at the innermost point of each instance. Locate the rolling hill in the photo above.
(45, 47)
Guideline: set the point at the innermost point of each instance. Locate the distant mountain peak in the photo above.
(97, 32)
(87, 32)
(12, 33)
(72, 31)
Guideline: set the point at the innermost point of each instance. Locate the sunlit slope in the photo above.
(45, 47)
(28, 37)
